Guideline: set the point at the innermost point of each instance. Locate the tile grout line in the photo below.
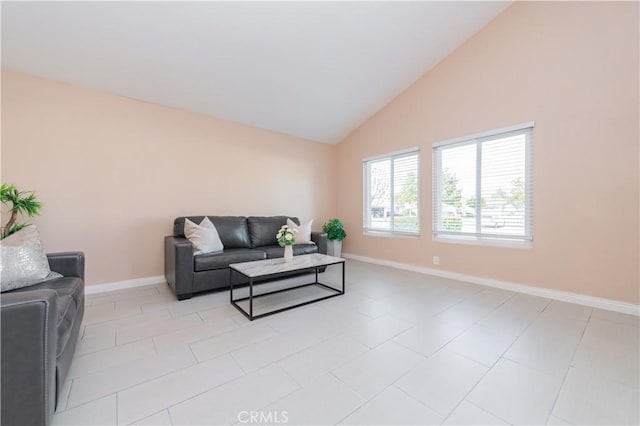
(362, 404)
(198, 340)
(99, 323)
(464, 398)
(618, 322)
(95, 302)
(392, 384)
(284, 357)
(342, 336)
(299, 387)
(477, 321)
(226, 383)
(235, 361)
(231, 350)
(127, 316)
(117, 365)
(435, 351)
(491, 368)
(167, 374)
(85, 403)
(482, 409)
(139, 383)
(154, 335)
(499, 357)
(135, 422)
(566, 374)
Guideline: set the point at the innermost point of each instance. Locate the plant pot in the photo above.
(334, 248)
(288, 254)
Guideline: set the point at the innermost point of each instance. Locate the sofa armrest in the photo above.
(69, 264)
(29, 340)
(320, 238)
(178, 266)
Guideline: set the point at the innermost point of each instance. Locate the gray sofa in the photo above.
(244, 238)
(40, 327)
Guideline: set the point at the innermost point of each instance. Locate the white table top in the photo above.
(260, 268)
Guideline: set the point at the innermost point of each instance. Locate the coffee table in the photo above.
(264, 269)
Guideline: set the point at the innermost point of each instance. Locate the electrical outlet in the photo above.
(436, 260)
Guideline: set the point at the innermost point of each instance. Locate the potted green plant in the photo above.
(18, 202)
(334, 229)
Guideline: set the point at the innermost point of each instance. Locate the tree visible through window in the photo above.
(392, 194)
(494, 168)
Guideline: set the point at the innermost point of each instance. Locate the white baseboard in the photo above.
(121, 285)
(565, 296)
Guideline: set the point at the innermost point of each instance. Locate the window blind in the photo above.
(483, 188)
(391, 193)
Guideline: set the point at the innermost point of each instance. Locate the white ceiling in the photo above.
(316, 70)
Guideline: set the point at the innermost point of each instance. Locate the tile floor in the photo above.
(398, 348)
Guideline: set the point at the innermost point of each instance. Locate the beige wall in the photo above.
(573, 69)
(113, 173)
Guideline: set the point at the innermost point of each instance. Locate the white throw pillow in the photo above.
(303, 236)
(24, 261)
(204, 237)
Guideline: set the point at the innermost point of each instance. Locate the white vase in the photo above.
(288, 254)
(334, 248)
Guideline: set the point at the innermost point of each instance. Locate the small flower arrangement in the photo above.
(286, 236)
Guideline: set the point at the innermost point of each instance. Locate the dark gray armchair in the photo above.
(40, 327)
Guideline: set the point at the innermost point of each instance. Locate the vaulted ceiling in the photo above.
(315, 70)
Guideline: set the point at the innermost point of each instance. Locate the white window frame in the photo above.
(367, 229)
(478, 237)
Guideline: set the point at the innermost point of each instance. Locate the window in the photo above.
(482, 186)
(391, 193)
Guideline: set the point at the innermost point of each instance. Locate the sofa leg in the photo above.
(184, 296)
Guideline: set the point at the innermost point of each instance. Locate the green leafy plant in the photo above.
(18, 203)
(334, 230)
(452, 223)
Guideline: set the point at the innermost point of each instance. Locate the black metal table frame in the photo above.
(251, 296)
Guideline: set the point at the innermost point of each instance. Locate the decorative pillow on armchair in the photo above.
(303, 236)
(24, 261)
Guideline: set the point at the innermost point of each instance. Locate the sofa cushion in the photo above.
(233, 230)
(298, 249)
(209, 261)
(263, 230)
